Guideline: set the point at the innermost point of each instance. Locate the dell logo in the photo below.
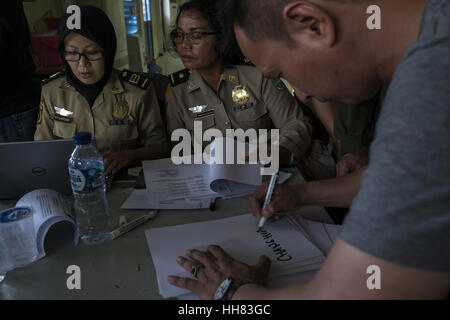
(38, 171)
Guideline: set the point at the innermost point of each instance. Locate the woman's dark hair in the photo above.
(226, 46)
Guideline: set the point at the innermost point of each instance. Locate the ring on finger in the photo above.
(195, 270)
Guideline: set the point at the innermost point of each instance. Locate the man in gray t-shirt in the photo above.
(402, 213)
(395, 242)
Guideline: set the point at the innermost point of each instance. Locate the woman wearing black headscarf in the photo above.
(119, 109)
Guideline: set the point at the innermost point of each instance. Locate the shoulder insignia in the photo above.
(140, 80)
(179, 77)
(279, 84)
(53, 77)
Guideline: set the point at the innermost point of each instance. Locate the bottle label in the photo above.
(14, 214)
(86, 180)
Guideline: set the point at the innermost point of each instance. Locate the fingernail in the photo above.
(179, 259)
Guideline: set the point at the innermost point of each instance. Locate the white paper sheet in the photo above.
(280, 241)
(141, 199)
(49, 207)
(323, 235)
(167, 181)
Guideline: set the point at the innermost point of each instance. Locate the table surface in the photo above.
(117, 269)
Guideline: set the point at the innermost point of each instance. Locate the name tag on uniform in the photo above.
(204, 114)
(243, 107)
(199, 112)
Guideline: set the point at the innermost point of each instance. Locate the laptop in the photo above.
(26, 166)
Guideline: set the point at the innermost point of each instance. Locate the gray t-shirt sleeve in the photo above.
(402, 212)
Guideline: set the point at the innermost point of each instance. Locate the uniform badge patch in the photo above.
(198, 109)
(121, 110)
(201, 111)
(39, 120)
(62, 114)
(243, 107)
(240, 95)
(232, 78)
(278, 84)
(169, 94)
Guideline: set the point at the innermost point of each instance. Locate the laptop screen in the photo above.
(26, 166)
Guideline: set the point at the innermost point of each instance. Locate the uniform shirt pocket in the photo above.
(256, 116)
(64, 130)
(123, 135)
(206, 122)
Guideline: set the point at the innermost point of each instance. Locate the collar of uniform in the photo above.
(195, 82)
(114, 85)
(65, 84)
(230, 75)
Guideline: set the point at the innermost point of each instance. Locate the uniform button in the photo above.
(227, 123)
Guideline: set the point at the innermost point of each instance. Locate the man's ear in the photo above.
(309, 24)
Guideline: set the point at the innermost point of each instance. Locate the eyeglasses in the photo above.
(193, 36)
(74, 56)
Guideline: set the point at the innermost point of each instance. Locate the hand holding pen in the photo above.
(285, 198)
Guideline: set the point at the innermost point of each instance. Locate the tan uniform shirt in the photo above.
(124, 115)
(266, 107)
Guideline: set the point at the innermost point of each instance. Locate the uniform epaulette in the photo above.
(54, 77)
(179, 77)
(140, 80)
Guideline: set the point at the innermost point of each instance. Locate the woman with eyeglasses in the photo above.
(217, 93)
(119, 109)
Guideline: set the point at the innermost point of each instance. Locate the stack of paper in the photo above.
(282, 241)
(192, 181)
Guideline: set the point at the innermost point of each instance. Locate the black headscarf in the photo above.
(96, 26)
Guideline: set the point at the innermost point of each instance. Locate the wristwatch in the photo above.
(228, 287)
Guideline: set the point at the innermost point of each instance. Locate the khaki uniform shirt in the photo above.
(269, 105)
(125, 115)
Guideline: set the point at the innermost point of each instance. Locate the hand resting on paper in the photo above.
(216, 266)
(284, 199)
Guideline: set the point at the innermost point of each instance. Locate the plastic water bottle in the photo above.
(87, 178)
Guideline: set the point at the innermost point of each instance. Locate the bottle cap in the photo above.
(82, 138)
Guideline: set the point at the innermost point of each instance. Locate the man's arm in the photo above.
(344, 276)
(337, 192)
